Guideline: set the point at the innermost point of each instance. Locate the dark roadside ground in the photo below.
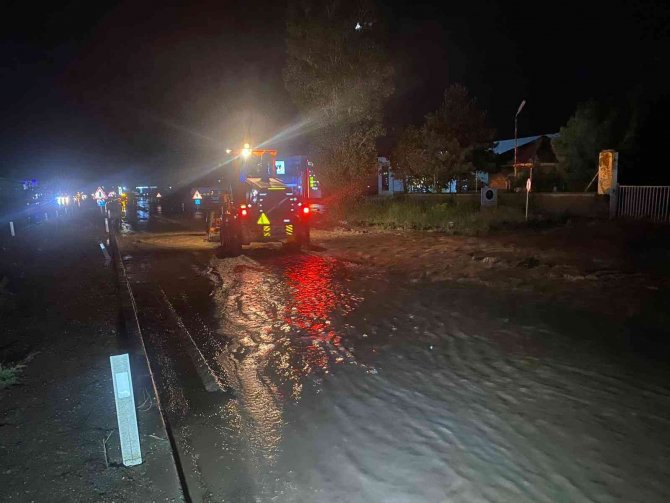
(60, 320)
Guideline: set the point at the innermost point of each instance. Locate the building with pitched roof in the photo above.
(534, 152)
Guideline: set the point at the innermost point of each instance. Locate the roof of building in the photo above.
(502, 146)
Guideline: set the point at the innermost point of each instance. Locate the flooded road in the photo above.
(298, 377)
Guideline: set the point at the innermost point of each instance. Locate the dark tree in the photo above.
(593, 127)
(338, 74)
(454, 141)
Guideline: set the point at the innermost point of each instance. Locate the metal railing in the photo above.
(649, 202)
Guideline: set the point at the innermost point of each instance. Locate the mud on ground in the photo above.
(607, 269)
(617, 270)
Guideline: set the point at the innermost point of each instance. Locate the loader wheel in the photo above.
(231, 244)
(302, 237)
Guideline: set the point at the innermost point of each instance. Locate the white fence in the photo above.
(644, 201)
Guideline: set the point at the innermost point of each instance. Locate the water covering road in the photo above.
(294, 377)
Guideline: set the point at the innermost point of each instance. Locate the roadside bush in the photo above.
(9, 375)
(406, 213)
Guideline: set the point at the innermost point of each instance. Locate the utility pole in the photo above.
(516, 116)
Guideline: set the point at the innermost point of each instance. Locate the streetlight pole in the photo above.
(516, 116)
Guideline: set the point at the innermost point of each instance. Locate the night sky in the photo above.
(148, 92)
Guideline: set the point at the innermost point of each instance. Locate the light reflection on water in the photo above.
(136, 217)
(142, 212)
(283, 325)
(317, 296)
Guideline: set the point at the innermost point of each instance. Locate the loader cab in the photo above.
(299, 173)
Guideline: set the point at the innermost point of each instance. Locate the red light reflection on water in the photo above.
(316, 296)
(283, 321)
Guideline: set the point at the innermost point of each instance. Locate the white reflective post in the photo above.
(107, 225)
(126, 416)
(11, 229)
(108, 258)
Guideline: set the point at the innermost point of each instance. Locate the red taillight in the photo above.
(243, 212)
(305, 210)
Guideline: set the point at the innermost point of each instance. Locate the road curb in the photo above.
(133, 332)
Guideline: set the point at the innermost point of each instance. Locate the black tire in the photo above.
(292, 246)
(231, 244)
(306, 238)
(236, 247)
(303, 237)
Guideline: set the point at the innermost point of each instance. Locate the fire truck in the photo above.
(258, 206)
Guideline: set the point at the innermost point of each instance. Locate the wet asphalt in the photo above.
(296, 377)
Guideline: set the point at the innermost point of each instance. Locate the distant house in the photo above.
(387, 184)
(534, 152)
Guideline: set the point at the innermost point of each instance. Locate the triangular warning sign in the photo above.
(197, 195)
(263, 220)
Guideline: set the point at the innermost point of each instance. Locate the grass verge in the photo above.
(450, 217)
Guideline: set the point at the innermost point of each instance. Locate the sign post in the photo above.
(197, 198)
(608, 168)
(125, 410)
